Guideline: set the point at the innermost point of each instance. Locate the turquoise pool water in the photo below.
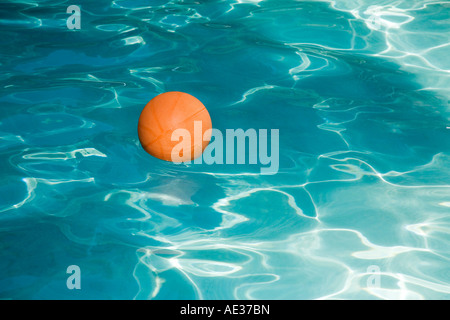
(359, 208)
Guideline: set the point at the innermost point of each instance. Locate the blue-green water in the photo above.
(359, 208)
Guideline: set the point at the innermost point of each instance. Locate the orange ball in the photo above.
(163, 115)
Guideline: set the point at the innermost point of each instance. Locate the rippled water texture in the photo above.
(358, 210)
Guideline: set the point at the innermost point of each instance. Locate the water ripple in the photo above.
(359, 90)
